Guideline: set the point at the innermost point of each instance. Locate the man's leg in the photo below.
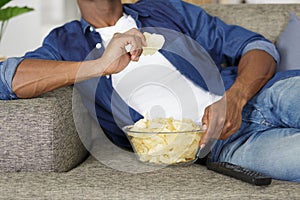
(275, 152)
(274, 145)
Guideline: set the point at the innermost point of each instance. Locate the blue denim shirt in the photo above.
(75, 41)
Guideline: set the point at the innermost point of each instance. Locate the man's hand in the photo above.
(224, 117)
(116, 57)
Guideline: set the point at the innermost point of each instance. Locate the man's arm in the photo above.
(231, 45)
(34, 77)
(224, 117)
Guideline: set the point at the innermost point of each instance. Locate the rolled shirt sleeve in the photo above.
(7, 71)
(265, 46)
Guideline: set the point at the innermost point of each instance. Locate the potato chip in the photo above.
(154, 43)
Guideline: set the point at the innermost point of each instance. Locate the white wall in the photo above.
(26, 32)
(258, 1)
(272, 1)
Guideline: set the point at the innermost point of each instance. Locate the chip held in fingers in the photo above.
(154, 43)
(165, 140)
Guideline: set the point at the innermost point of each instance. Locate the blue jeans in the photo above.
(269, 138)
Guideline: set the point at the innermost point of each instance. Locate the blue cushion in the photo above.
(288, 45)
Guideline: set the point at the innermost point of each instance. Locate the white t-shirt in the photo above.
(154, 86)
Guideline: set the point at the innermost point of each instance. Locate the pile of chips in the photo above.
(165, 140)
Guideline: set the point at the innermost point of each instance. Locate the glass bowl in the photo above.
(165, 148)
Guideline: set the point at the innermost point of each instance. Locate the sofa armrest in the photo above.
(39, 134)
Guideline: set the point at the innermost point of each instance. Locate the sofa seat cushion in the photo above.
(94, 180)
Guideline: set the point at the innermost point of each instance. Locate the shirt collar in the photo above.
(84, 24)
(134, 14)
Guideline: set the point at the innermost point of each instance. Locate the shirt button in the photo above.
(98, 45)
(91, 29)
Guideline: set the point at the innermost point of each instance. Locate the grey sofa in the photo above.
(38, 138)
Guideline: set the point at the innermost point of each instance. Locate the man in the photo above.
(256, 127)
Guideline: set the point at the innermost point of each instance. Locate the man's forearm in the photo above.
(255, 68)
(34, 77)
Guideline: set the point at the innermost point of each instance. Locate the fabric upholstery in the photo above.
(93, 180)
(39, 134)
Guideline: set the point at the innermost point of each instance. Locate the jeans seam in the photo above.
(262, 121)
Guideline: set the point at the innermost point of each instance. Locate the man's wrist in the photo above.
(238, 93)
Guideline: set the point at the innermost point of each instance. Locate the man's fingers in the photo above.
(135, 54)
(207, 136)
(133, 43)
(137, 43)
(205, 119)
(203, 139)
(213, 124)
(134, 47)
(139, 34)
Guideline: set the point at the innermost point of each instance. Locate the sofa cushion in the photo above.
(94, 180)
(288, 45)
(39, 134)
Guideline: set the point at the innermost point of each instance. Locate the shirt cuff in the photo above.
(7, 72)
(265, 46)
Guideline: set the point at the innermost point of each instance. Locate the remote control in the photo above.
(239, 172)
